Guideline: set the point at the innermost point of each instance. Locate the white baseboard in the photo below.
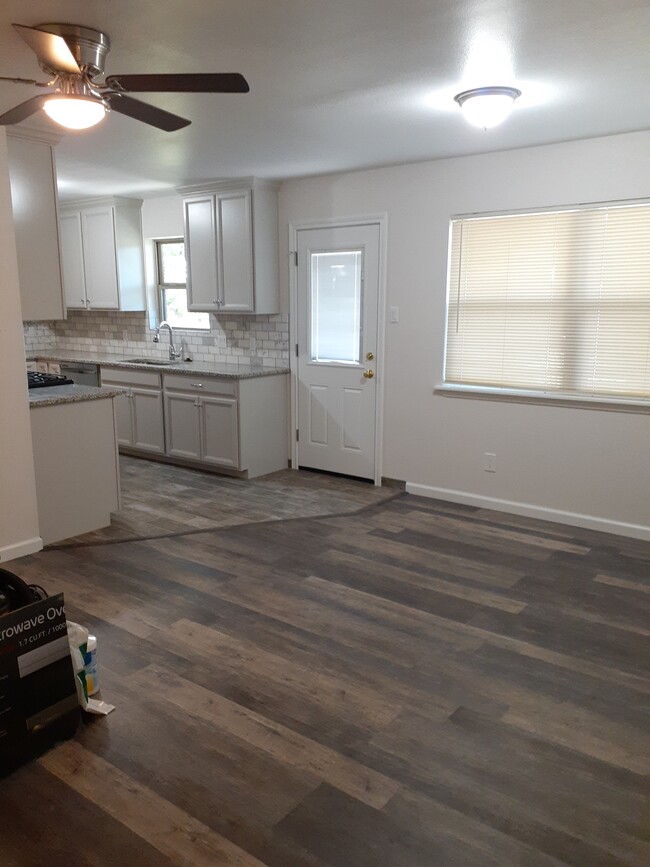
(573, 519)
(21, 549)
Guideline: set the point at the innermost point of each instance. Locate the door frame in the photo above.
(380, 220)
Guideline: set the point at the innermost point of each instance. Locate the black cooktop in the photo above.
(46, 380)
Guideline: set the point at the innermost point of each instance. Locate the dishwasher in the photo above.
(80, 373)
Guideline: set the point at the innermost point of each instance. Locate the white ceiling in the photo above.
(341, 84)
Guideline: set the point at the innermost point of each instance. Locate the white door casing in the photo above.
(338, 337)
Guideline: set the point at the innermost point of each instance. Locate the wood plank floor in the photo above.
(417, 684)
(163, 500)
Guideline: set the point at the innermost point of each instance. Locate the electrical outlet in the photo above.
(490, 462)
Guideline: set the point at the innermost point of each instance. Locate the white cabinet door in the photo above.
(235, 252)
(201, 254)
(100, 265)
(124, 416)
(72, 260)
(148, 428)
(182, 426)
(219, 434)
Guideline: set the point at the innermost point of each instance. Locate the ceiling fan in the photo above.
(75, 56)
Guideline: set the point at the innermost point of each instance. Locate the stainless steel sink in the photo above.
(153, 361)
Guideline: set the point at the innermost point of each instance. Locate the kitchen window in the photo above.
(552, 304)
(172, 286)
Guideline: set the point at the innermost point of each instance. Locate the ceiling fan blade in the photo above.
(146, 113)
(193, 82)
(52, 51)
(24, 110)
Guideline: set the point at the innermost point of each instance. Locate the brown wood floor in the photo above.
(417, 684)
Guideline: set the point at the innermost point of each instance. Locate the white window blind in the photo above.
(552, 302)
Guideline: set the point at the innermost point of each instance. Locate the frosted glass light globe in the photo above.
(486, 107)
(75, 112)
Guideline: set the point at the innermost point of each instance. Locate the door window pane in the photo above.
(336, 298)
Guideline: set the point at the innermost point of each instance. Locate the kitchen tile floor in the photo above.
(163, 500)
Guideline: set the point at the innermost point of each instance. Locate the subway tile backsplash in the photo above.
(235, 339)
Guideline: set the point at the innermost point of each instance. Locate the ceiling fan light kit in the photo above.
(75, 112)
(75, 56)
(486, 107)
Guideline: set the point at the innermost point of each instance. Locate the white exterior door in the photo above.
(337, 306)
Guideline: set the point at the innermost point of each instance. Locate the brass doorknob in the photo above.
(368, 374)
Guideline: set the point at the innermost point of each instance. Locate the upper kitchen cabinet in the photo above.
(102, 254)
(231, 246)
(33, 194)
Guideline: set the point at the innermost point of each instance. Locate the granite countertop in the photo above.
(192, 368)
(68, 394)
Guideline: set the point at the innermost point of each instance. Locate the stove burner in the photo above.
(46, 380)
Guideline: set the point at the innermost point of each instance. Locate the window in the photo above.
(336, 289)
(552, 302)
(172, 272)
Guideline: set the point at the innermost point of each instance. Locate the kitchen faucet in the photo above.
(173, 353)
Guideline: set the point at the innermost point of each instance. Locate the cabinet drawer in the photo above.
(125, 376)
(200, 384)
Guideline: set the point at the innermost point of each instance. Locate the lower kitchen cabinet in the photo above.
(147, 415)
(219, 435)
(200, 426)
(139, 411)
(182, 426)
(236, 425)
(76, 492)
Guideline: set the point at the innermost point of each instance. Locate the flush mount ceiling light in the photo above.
(487, 106)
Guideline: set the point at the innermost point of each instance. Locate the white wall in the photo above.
(162, 217)
(585, 466)
(18, 512)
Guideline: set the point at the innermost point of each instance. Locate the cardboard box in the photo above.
(38, 697)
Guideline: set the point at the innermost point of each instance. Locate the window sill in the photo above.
(608, 404)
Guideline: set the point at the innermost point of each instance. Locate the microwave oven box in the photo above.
(38, 696)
